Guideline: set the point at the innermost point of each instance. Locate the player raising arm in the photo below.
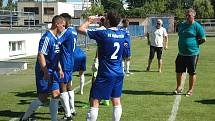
(109, 80)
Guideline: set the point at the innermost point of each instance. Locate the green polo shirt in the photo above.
(188, 34)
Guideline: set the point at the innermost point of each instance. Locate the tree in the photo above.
(1, 4)
(115, 5)
(203, 8)
(10, 5)
(94, 10)
(213, 3)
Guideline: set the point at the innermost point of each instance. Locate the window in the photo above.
(31, 9)
(31, 22)
(49, 11)
(16, 47)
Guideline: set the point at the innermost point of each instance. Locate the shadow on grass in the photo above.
(136, 70)
(209, 101)
(13, 114)
(140, 92)
(86, 74)
(25, 94)
(80, 103)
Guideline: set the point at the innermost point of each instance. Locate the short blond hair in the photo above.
(160, 20)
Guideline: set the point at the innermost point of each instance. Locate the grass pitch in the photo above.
(147, 96)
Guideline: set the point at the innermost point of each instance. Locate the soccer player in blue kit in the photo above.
(46, 70)
(127, 47)
(109, 80)
(68, 40)
(80, 66)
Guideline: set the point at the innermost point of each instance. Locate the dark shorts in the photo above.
(104, 88)
(189, 63)
(154, 49)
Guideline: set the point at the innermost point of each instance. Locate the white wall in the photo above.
(65, 8)
(31, 41)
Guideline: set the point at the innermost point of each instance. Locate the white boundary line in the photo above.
(76, 89)
(177, 101)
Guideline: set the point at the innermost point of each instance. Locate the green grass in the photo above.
(147, 96)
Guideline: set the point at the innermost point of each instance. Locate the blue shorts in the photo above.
(67, 77)
(46, 86)
(105, 87)
(79, 62)
(126, 52)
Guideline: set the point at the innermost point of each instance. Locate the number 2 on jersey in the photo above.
(117, 45)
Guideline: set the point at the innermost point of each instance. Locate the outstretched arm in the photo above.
(83, 27)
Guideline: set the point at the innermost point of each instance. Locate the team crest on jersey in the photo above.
(57, 48)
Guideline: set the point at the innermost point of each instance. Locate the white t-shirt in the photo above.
(156, 36)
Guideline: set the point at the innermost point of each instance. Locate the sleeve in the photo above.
(127, 37)
(95, 34)
(164, 32)
(62, 37)
(200, 32)
(43, 45)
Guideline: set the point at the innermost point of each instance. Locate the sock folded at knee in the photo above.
(92, 114)
(53, 107)
(117, 112)
(32, 107)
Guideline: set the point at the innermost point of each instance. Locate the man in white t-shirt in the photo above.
(157, 39)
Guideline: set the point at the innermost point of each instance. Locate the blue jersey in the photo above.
(68, 40)
(110, 48)
(49, 46)
(127, 36)
(188, 38)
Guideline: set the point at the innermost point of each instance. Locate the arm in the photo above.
(165, 42)
(201, 41)
(82, 28)
(42, 62)
(148, 41)
(60, 71)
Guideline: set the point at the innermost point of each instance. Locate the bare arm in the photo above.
(60, 71)
(201, 41)
(42, 62)
(165, 42)
(82, 28)
(148, 41)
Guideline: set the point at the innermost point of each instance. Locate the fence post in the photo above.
(11, 20)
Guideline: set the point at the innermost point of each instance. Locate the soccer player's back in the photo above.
(108, 83)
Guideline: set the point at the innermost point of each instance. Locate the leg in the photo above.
(192, 80)
(151, 56)
(64, 96)
(192, 73)
(92, 114)
(159, 55)
(123, 65)
(34, 105)
(82, 80)
(160, 63)
(179, 77)
(117, 109)
(53, 105)
(128, 64)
